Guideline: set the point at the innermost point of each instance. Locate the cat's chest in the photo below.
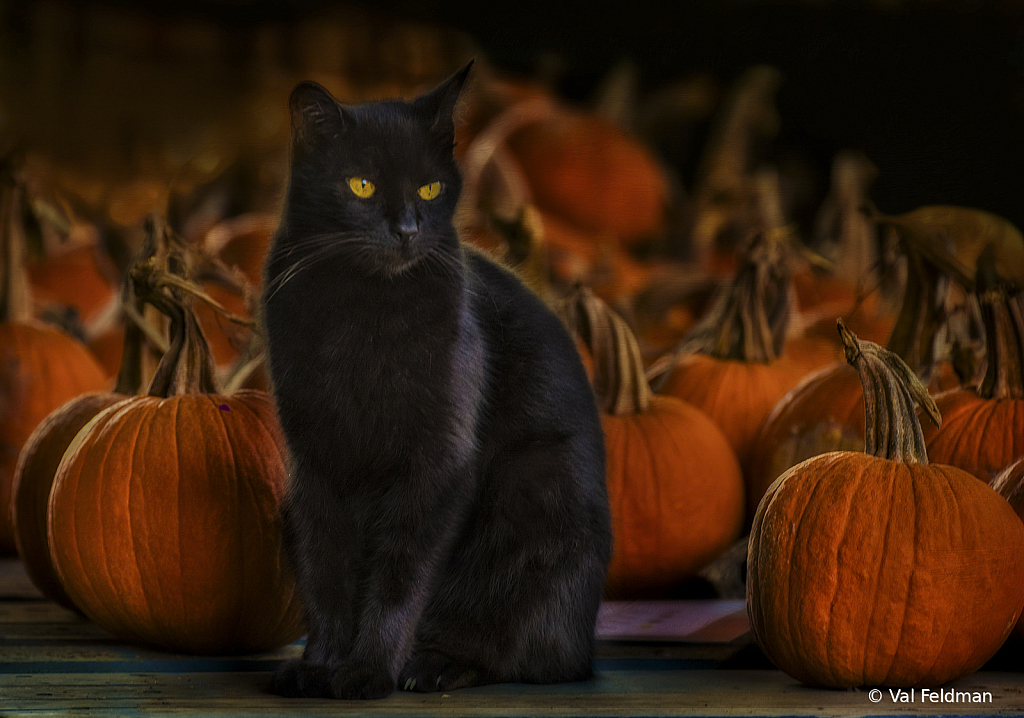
(350, 340)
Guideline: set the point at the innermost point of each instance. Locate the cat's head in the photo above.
(374, 184)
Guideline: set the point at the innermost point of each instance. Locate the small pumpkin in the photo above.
(878, 568)
(186, 552)
(674, 485)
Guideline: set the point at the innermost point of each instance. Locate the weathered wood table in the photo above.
(654, 659)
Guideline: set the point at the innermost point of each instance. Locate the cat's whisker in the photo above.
(324, 251)
(452, 264)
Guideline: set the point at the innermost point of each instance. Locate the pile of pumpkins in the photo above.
(731, 404)
(150, 504)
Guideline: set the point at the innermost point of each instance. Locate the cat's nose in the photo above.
(407, 228)
(407, 232)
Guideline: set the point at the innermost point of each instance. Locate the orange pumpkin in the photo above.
(674, 484)
(40, 369)
(40, 366)
(42, 453)
(591, 172)
(880, 569)
(185, 553)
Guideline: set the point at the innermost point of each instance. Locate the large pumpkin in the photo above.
(674, 484)
(879, 568)
(163, 518)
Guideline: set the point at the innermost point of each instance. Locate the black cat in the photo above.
(446, 516)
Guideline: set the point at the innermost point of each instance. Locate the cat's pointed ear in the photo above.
(311, 107)
(439, 103)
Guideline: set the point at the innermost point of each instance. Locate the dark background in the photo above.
(931, 92)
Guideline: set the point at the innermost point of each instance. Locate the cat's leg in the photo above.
(518, 600)
(405, 542)
(314, 525)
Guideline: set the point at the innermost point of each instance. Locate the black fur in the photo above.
(446, 515)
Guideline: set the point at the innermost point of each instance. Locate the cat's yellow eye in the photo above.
(430, 191)
(361, 187)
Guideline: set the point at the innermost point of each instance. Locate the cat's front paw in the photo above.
(429, 671)
(350, 681)
(299, 678)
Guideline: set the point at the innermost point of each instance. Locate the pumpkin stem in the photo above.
(749, 318)
(156, 246)
(15, 292)
(1002, 313)
(619, 381)
(892, 429)
(188, 365)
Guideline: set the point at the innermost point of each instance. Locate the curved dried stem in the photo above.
(187, 367)
(619, 382)
(891, 392)
(748, 318)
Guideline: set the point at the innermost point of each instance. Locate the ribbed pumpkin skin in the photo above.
(676, 495)
(40, 369)
(981, 436)
(865, 572)
(33, 479)
(163, 524)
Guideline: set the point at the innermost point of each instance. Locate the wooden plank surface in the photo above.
(611, 693)
(693, 659)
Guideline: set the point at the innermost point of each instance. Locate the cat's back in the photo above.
(534, 368)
